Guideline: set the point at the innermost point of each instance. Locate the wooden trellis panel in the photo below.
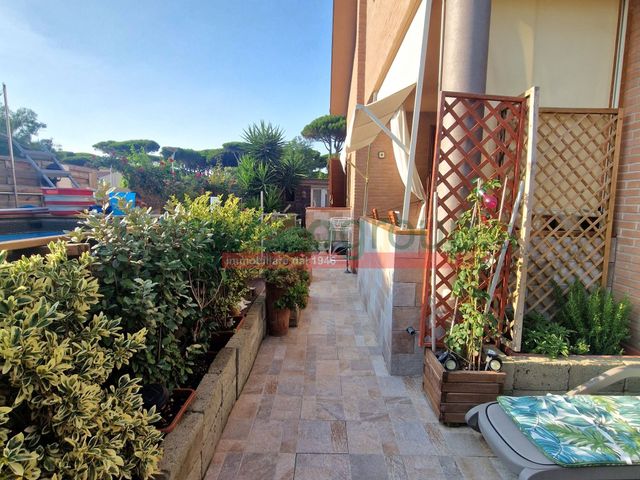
(477, 137)
(575, 182)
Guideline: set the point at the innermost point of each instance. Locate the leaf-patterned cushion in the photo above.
(580, 430)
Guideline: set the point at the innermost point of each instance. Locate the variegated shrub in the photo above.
(64, 411)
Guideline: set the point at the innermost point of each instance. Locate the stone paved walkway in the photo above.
(319, 404)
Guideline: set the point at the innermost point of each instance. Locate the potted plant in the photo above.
(462, 376)
(299, 296)
(281, 285)
(293, 246)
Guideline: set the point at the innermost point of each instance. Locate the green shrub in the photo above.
(292, 244)
(584, 323)
(594, 319)
(230, 230)
(142, 263)
(165, 273)
(297, 288)
(292, 240)
(64, 413)
(544, 336)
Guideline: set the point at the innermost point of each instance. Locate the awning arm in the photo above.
(382, 126)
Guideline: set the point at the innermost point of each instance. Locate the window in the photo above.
(318, 197)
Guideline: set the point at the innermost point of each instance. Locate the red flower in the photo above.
(198, 174)
(162, 164)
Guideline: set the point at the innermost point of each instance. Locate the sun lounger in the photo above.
(521, 446)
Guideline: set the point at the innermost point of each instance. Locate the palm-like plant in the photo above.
(272, 198)
(265, 141)
(292, 167)
(253, 176)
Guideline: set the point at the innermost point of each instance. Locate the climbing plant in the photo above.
(472, 247)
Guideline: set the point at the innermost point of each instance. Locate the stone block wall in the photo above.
(539, 375)
(188, 450)
(390, 280)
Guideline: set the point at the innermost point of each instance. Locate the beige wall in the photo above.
(566, 47)
(390, 276)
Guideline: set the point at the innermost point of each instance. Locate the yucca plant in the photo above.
(253, 176)
(290, 170)
(272, 198)
(265, 141)
(64, 412)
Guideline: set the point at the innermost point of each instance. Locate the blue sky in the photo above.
(189, 73)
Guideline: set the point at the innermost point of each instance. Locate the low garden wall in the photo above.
(390, 276)
(539, 375)
(188, 450)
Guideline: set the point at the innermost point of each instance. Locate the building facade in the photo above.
(582, 54)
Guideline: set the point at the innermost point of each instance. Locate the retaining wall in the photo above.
(188, 450)
(539, 375)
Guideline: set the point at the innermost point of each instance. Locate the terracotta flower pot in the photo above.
(279, 326)
(183, 398)
(273, 295)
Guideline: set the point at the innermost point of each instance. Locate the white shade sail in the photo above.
(398, 127)
(363, 129)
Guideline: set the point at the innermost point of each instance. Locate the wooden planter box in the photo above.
(453, 394)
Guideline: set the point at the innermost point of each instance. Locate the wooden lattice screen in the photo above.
(575, 181)
(477, 137)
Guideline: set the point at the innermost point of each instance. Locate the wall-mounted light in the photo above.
(381, 154)
(411, 331)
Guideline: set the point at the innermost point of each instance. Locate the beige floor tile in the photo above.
(320, 404)
(322, 467)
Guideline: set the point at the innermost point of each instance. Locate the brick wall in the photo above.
(626, 277)
(386, 188)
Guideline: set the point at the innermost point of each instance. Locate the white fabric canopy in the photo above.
(362, 129)
(398, 126)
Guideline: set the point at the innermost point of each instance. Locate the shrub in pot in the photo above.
(288, 272)
(279, 282)
(64, 412)
(472, 248)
